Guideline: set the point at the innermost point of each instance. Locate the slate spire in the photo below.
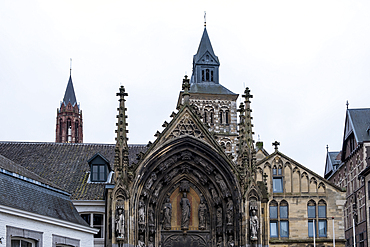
(205, 62)
(69, 95)
(121, 150)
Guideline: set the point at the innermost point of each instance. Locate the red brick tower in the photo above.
(69, 118)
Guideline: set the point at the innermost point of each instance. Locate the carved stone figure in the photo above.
(202, 213)
(153, 177)
(167, 213)
(219, 217)
(230, 243)
(229, 212)
(214, 194)
(185, 212)
(157, 189)
(141, 243)
(254, 225)
(141, 212)
(150, 243)
(150, 216)
(120, 222)
(222, 185)
(219, 242)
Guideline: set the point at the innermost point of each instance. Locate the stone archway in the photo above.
(189, 172)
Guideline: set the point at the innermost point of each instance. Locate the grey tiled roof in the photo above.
(360, 119)
(27, 196)
(65, 164)
(209, 88)
(330, 162)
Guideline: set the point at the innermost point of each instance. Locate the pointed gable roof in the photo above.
(331, 162)
(358, 120)
(69, 95)
(204, 47)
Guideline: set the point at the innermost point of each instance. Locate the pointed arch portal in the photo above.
(187, 196)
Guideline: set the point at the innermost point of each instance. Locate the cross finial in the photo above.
(247, 94)
(276, 144)
(205, 22)
(347, 104)
(327, 148)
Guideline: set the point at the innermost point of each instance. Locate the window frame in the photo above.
(91, 223)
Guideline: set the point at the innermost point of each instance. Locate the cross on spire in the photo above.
(347, 104)
(205, 22)
(247, 94)
(276, 144)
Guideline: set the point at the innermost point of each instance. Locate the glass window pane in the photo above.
(273, 230)
(310, 229)
(94, 173)
(322, 228)
(284, 229)
(101, 173)
(98, 219)
(277, 185)
(86, 217)
(100, 233)
(283, 212)
(322, 211)
(279, 171)
(311, 211)
(274, 171)
(15, 243)
(273, 212)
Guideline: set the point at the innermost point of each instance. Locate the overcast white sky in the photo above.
(301, 59)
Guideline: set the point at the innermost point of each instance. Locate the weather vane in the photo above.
(205, 18)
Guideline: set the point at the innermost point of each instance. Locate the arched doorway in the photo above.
(187, 195)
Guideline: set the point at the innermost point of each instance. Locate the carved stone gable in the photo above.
(186, 126)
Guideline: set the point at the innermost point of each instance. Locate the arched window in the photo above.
(317, 221)
(205, 116)
(221, 113)
(284, 222)
(211, 116)
(207, 74)
(277, 180)
(76, 132)
(60, 130)
(211, 75)
(69, 130)
(279, 221)
(274, 233)
(322, 224)
(203, 75)
(227, 117)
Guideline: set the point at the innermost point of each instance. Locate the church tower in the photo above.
(213, 102)
(69, 117)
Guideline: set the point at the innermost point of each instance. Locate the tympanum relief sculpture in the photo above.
(185, 212)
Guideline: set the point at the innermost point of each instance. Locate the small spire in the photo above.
(205, 19)
(347, 104)
(186, 87)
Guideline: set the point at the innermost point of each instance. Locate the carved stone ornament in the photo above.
(151, 243)
(202, 179)
(184, 186)
(214, 194)
(253, 224)
(219, 216)
(230, 242)
(141, 215)
(186, 126)
(149, 183)
(167, 213)
(219, 242)
(120, 221)
(150, 216)
(185, 212)
(172, 174)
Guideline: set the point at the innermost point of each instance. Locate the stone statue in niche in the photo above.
(185, 212)
(150, 216)
(141, 212)
(254, 224)
(167, 213)
(222, 185)
(219, 216)
(214, 194)
(202, 213)
(230, 243)
(159, 187)
(219, 242)
(229, 212)
(141, 243)
(150, 243)
(120, 222)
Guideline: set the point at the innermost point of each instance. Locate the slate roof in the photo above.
(331, 160)
(69, 95)
(20, 194)
(360, 119)
(209, 88)
(204, 46)
(65, 164)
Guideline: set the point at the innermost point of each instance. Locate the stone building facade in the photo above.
(348, 169)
